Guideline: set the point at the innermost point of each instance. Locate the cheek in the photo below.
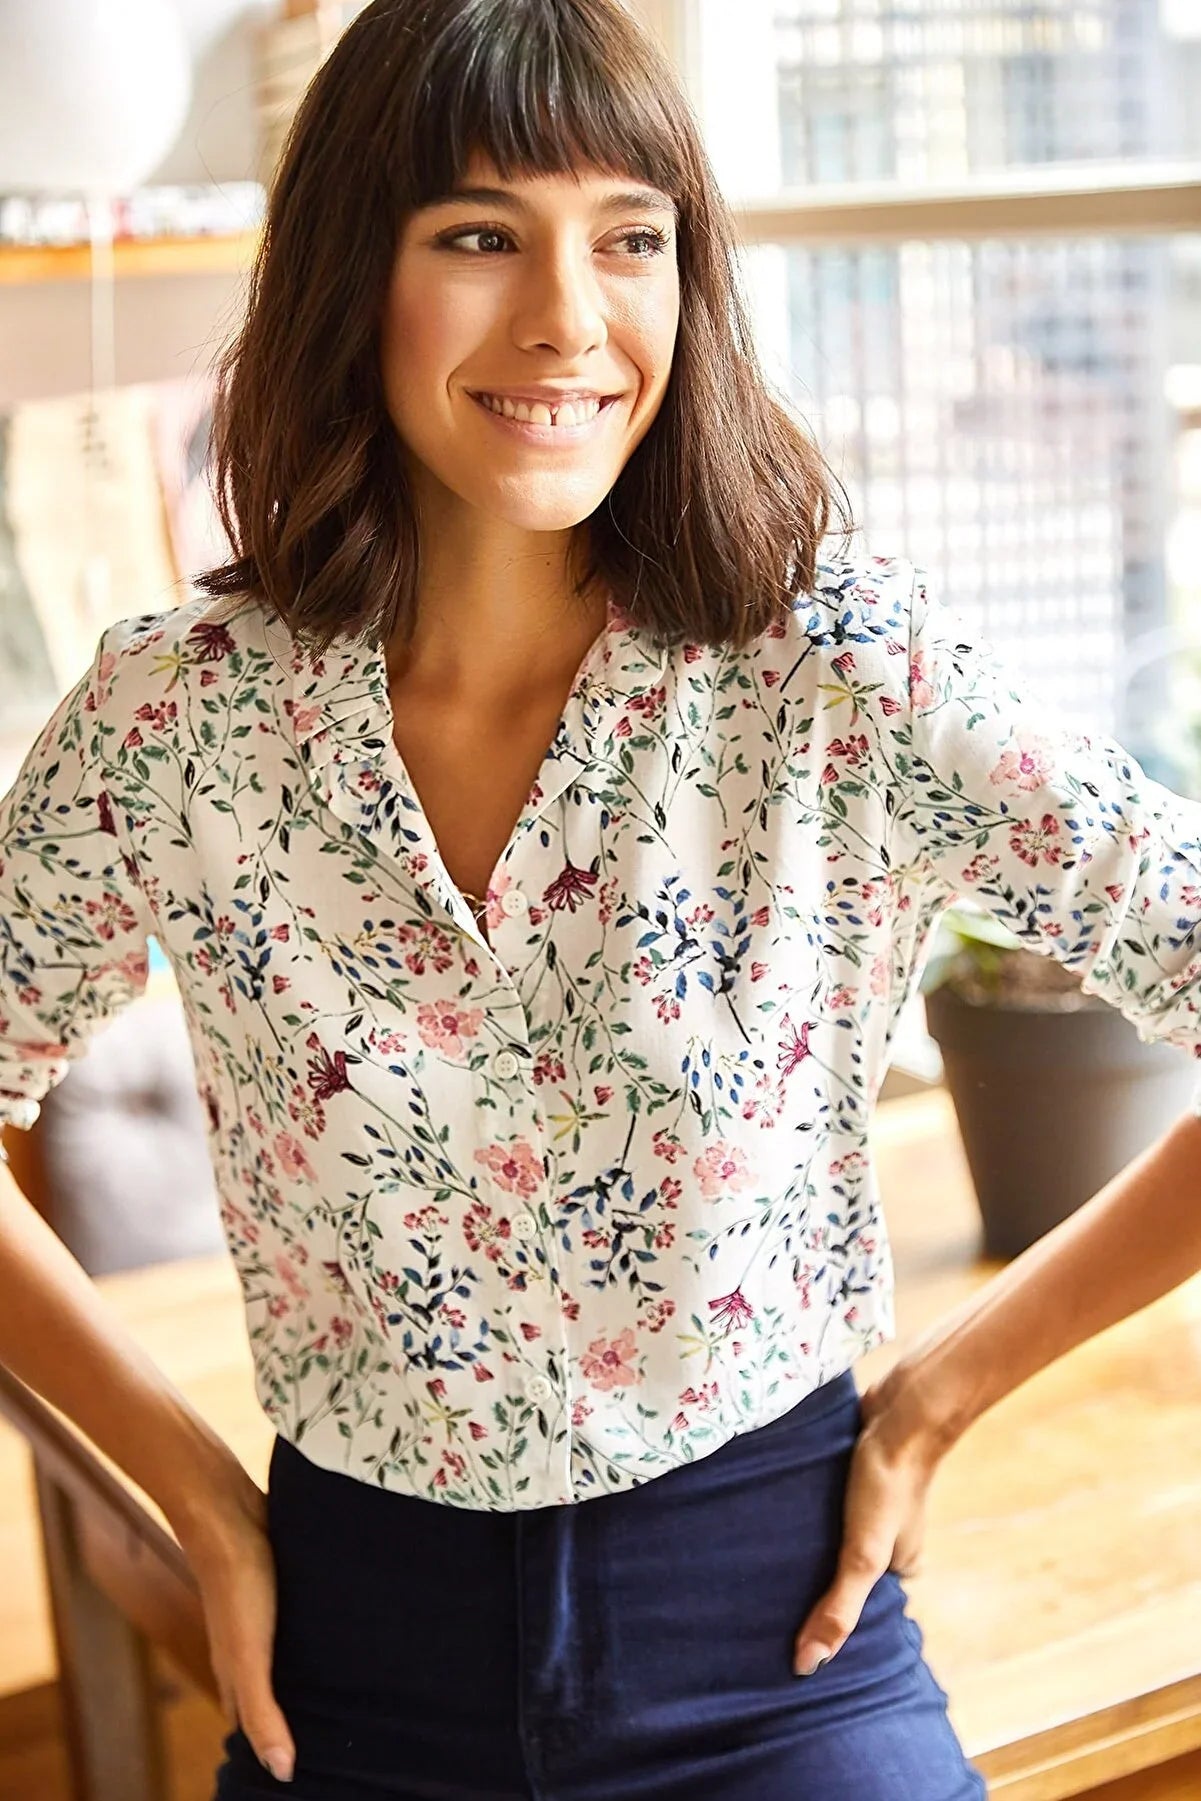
(652, 320)
(429, 329)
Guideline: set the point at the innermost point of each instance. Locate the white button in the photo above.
(538, 1388)
(505, 1064)
(525, 1225)
(513, 901)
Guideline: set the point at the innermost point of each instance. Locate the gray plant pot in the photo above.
(1051, 1105)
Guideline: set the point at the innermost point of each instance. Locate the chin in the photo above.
(546, 512)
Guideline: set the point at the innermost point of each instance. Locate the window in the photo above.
(973, 236)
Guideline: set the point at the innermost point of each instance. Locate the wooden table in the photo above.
(1061, 1595)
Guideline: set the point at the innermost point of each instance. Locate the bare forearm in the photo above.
(1137, 1239)
(58, 1335)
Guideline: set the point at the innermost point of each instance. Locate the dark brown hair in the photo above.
(714, 522)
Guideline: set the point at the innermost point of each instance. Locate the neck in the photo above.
(497, 616)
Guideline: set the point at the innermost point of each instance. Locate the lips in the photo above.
(549, 434)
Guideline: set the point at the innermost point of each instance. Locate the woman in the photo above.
(545, 840)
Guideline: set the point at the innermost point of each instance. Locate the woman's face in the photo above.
(549, 284)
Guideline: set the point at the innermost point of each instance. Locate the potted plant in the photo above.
(1053, 1089)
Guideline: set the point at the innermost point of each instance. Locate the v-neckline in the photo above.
(538, 795)
(340, 719)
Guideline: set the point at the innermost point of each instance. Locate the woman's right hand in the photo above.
(230, 1554)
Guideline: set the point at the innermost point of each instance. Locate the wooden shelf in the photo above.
(228, 254)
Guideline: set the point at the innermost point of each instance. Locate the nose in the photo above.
(561, 304)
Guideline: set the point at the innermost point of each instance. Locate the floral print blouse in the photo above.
(530, 1217)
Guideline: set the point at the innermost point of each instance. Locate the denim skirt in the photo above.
(632, 1647)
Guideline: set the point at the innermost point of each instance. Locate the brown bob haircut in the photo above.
(713, 524)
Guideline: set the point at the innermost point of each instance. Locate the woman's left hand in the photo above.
(884, 1517)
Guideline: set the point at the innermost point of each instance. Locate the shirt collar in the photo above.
(340, 705)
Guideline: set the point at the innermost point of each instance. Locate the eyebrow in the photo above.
(650, 200)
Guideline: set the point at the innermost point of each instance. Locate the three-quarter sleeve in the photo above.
(1059, 833)
(73, 920)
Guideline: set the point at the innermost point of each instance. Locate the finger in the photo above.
(264, 1724)
(834, 1617)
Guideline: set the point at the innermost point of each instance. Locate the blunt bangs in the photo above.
(530, 83)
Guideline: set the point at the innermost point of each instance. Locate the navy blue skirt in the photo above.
(632, 1647)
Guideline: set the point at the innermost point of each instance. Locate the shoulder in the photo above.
(150, 660)
(857, 599)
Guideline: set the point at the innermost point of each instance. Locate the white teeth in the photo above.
(569, 413)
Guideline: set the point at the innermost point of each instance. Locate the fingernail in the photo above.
(811, 1660)
(278, 1764)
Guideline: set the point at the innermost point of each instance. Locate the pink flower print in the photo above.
(569, 888)
(981, 868)
(548, 1068)
(795, 1046)
(210, 642)
(667, 1007)
(159, 716)
(1027, 764)
(104, 808)
(841, 997)
(580, 1410)
(922, 693)
(516, 1167)
(721, 1169)
(292, 1159)
(110, 915)
(829, 776)
(605, 1364)
(530, 1331)
(1034, 841)
(649, 703)
(327, 1075)
(888, 706)
(845, 663)
(771, 677)
(337, 1278)
(658, 1313)
(308, 1114)
(304, 719)
(485, 1233)
(445, 1026)
(879, 978)
(482, 1373)
(285, 1270)
(731, 1310)
(704, 1398)
(665, 1146)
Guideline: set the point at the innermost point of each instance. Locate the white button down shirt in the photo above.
(526, 1222)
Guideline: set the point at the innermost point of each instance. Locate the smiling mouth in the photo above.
(545, 416)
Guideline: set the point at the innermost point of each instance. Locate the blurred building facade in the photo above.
(999, 409)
